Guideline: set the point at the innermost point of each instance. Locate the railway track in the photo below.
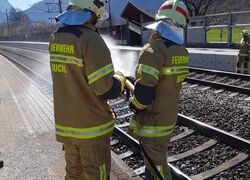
(35, 67)
(193, 141)
(220, 80)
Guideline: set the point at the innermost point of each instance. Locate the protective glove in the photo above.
(120, 77)
(246, 58)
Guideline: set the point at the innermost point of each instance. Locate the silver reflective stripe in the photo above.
(151, 131)
(67, 60)
(175, 70)
(100, 73)
(148, 70)
(85, 133)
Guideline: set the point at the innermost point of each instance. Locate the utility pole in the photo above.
(110, 19)
(7, 19)
(51, 22)
(60, 6)
(54, 7)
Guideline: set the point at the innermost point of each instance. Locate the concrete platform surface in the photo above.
(27, 137)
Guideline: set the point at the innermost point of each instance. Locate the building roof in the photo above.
(131, 12)
(149, 7)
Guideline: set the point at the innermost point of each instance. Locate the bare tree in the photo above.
(203, 7)
(20, 23)
(199, 7)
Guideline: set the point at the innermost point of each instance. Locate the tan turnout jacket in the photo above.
(81, 69)
(165, 68)
(243, 46)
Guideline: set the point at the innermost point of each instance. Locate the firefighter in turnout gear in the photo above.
(247, 62)
(162, 67)
(243, 57)
(83, 81)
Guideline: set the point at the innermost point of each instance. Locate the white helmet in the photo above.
(244, 32)
(96, 6)
(173, 10)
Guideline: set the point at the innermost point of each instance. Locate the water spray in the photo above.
(124, 60)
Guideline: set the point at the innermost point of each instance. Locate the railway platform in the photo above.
(27, 138)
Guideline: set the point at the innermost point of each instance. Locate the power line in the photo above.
(54, 7)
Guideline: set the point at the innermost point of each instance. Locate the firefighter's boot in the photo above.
(148, 175)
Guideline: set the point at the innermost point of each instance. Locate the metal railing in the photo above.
(223, 20)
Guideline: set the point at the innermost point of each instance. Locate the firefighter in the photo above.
(243, 59)
(83, 80)
(247, 66)
(162, 67)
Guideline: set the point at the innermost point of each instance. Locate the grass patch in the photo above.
(217, 35)
(220, 34)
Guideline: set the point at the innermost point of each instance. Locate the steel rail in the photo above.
(210, 131)
(221, 73)
(218, 85)
(23, 55)
(134, 144)
(15, 62)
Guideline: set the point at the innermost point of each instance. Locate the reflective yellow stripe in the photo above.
(175, 70)
(100, 73)
(138, 105)
(66, 59)
(85, 133)
(148, 70)
(160, 169)
(151, 131)
(103, 172)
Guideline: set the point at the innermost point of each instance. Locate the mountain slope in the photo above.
(4, 5)
(39, 11)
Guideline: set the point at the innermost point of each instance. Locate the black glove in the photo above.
(246, 58)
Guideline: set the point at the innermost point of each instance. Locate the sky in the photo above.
(22, 4)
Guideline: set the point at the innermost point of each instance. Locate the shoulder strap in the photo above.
(70, 29)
